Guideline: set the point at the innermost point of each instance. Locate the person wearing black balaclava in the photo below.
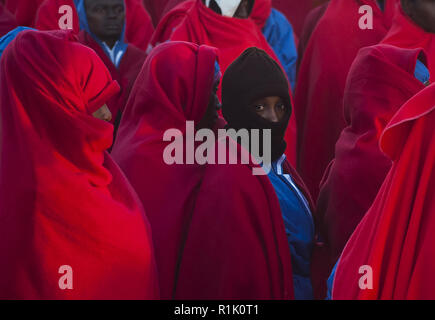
(255, 95)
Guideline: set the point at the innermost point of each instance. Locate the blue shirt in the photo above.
(299, 227)
(279, 34)
(421, 72)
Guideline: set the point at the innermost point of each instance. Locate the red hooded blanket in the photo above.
(380, 81)
(176, 11)
(65, 206)
(125, 74)
(217, 229)
(139, 27)
(396, 236)
(404, 33)
(322, 75)
(231, 36)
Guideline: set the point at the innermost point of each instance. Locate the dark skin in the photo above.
(211, 114)
(103, 113)
(422, 12)
(272, 108)
(244, 9)
(106, 19)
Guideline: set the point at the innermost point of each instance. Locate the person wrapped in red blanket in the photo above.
(217, 228)
(138, 31)
(390, 255)
(103, 31)
(331, 50)
(231, 35)
(382, 78)
(71, 225)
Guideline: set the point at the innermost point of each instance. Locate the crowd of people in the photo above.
(341, 208)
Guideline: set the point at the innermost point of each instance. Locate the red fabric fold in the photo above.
(396, 237)
(231, 36)
(24, 10)
(155, 9)
(404, 33)
(322, 75)
(177, 10)
(217, 229)
(7, 21)
(139, 28)
(125, 74)
(380, 81)
(63, 201)
(296, 11)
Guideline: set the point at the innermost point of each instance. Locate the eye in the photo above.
(281, 106)
(259, 107)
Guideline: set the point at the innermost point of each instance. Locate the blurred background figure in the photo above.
(138, 30)
(102, 29)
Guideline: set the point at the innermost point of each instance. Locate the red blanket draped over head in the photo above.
(7, 21)
(23, 10)
(231, 36)
(396, 236)
(125, 74)
(404, 33)
(218, 230)
(322, 75)
(380, 81)
(63, 201)
(139, 28)
(176, 11)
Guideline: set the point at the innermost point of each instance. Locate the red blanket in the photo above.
(63, 201)
(176, 11)
(296, 11)
(322, 75)
(231, 36)
(217, 229)
(396, 236)
(23, 10)
(125, 74)
(7, 21)
(155, 9)
(139, 28)
(404, 33)
(380, 81)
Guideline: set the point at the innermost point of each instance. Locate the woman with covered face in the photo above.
(217, 228)
(255, 96)
(71, 225)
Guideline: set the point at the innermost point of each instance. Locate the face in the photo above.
(211, 114)
(272, 109)
(422, 12)
(103, 114)
(106, 19)
(243, 11)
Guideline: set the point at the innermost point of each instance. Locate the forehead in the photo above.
(91, 3)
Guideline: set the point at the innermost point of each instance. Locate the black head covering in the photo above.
(252, 76)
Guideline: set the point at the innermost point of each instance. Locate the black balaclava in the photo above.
(252, 76)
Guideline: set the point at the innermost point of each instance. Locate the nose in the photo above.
(272, 115)
(107, 115)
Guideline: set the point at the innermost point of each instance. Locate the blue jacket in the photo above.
(279, 34)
